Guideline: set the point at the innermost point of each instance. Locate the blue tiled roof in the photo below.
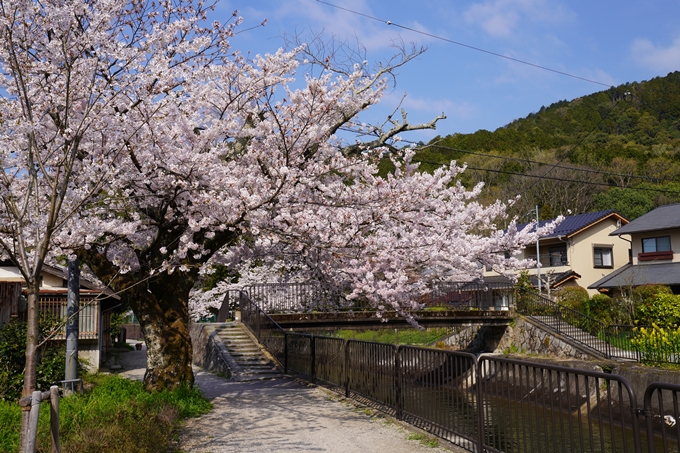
(575, 223)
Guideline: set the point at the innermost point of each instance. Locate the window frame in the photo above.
(601, 248)
(656, 244)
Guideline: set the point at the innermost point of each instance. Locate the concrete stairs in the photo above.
(250, 360)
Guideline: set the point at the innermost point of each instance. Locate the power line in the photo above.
(478, 49)
(592, 183)
(651, 179)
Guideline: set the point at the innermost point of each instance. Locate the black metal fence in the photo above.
(638, 343)
(471, 295)
(485, 404)
(307, 297)
(299, 297)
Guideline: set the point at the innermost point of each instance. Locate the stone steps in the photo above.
(251, 360)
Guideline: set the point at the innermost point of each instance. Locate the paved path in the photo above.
(283, 415)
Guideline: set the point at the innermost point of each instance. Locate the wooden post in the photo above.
(36, 398)
(54, 418)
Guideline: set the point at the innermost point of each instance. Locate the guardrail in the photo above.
(485, 404)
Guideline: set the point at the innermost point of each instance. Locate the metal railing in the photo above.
(299, 297)
(662, 416)
(612, 341)
(470, 295)
(485, 404)
(308, 297)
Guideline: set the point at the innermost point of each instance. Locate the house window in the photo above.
(558, 255)
(659, 244)
(603, 257)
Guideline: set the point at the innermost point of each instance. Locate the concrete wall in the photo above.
(209, 351)
(522, 337)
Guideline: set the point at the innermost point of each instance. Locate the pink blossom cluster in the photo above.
(140, 134)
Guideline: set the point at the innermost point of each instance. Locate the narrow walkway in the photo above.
(283, 415)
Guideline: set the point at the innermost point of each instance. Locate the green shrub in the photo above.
(599, 307)
(645, 293)
(52, 358)
(573, 297)
(117, 415)
(522, 291)
(662, 310)
(657, 344)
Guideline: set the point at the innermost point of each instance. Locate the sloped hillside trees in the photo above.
(178, 147)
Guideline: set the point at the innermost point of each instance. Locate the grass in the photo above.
(425, 440)
(405, 336)
(115, 415)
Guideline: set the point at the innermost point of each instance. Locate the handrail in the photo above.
(499, 400)
(590, 332)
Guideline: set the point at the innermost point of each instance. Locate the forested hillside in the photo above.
(618, 148)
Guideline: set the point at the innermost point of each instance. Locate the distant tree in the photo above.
(630, 203)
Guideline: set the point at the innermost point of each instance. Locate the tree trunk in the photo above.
(32, 339)
(163, 313)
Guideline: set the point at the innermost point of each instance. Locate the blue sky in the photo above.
(611, 42)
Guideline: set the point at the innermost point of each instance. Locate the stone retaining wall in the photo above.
(521, 337)
(209, 351)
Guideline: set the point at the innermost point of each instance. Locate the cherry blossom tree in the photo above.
(138, 140)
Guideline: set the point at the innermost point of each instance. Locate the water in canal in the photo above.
(518, 426)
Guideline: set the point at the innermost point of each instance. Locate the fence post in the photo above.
(346, 368)
(54, 418)
(480, 405)
(312, 350)
(397, 385)
(285, 353)
(36, 399)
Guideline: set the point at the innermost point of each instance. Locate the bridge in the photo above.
(485, 403)
(300, 306)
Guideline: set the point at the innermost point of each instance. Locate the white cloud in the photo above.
(502, 18)
(663, 59)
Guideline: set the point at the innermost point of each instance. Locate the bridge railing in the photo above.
(307, 297)
(470, 295)
(300, 297)
(485, 404)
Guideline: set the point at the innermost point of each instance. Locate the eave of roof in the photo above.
(664, 217)
(573, 225)
(640, 274)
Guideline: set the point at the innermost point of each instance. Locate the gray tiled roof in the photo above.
(662, 218)
(641, 274)
(575, 223)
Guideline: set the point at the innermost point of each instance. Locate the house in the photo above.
(94, 317)
(653, 238)
(579, 251)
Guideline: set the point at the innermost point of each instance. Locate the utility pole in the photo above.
(538, 255)
(72, 307)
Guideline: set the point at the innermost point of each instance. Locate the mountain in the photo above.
(618, 148)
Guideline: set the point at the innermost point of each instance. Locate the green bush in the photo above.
(522, 291)
(599, 307)
(117, 415)
(573, 297)
(52, 359)
(662, 310)
(645, 293)
(657, 344)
